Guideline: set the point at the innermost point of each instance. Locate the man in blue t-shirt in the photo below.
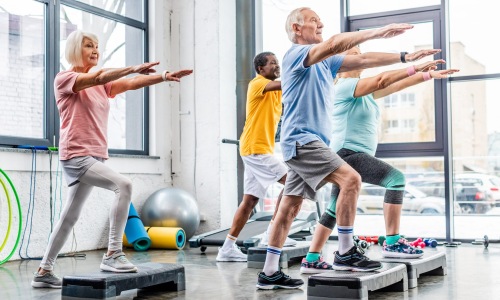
(309, 68)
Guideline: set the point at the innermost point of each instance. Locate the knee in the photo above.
(249, 202)
(395, 181)
(291, 209)
(125, 187)
(352, 182)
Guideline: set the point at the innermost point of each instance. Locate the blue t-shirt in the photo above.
(354, 120)
(306, 99)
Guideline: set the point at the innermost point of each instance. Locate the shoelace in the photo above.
(122, 258)
(360, 251)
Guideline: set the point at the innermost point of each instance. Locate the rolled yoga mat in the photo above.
(167, 237)
(135, 233)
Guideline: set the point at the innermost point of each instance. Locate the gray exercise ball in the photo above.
(171, 207)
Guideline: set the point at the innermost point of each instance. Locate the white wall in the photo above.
(187, 122)
(203, 37)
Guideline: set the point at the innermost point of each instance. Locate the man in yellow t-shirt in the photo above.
(262, 168)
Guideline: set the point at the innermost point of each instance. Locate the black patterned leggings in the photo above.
(372, 170)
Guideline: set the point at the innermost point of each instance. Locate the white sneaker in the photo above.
(264, 242)
(233, 254)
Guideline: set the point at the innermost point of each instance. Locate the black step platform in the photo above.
(256, 256)
(432, 263)
(356, 285)
(101, 285)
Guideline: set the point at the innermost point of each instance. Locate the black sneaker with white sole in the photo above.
(278, 280)
(354, 260)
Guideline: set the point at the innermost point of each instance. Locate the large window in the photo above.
(30, 59)
(22, 69)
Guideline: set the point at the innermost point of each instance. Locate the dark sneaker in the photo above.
(117, 262)
(354, 260)
(401, 249)
(318, 266)
(278, 280)
(47, 280)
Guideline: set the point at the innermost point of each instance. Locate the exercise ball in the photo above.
(171, 207)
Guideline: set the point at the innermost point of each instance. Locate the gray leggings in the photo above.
(101, 176)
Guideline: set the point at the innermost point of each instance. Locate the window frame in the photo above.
(52, 63)
(426, 14)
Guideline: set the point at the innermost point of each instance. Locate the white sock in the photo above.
(272, 263)
(229, 242)
(345, 238)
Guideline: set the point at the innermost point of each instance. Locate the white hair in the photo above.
(295, 17)
(74, 46)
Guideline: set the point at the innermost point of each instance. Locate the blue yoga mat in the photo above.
(135, 232)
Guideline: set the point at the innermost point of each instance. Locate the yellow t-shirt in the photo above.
(263, 112)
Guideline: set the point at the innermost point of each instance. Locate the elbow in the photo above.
(99, 78)
(383, 82)
(338, 45)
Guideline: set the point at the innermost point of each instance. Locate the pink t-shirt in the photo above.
(84, 117)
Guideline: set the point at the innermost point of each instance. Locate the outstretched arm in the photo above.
(86, 80)
(140, 81)
(377, 59)
(383, 80)
(413, 80)
(345, 41)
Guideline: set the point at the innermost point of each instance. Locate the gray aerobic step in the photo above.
(356, 285)
(101, 285)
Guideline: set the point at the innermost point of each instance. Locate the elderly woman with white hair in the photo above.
(82, 99)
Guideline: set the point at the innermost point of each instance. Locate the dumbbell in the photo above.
(430, 242)
(419, 243)
(369, 239)
(361, 243)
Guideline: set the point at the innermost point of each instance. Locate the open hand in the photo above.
(443, 73)
(145, 68)
(429, 65)
(176, 76)
(421, 54)
(392, 30)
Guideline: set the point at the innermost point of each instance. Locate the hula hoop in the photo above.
(10, 214)
(20, 218)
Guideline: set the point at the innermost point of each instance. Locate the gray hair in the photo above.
(295, 17)
(74, 43)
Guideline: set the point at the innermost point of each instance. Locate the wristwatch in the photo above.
(403, 58)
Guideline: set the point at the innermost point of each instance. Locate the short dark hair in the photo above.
(260, 60)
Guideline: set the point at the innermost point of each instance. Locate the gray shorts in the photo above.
(308, 169)
(75, 167)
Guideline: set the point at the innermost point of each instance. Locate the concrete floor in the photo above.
(472, 274)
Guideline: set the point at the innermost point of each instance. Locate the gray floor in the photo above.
(472, 274)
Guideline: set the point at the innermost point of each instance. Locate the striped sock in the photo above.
(345, 238)
(272, 263)
(229, 242)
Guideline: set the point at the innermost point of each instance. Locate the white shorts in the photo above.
(261, 170)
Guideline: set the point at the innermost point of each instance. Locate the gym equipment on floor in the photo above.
(254, 228)
(171, 207)
(433, 262)
(485, 241)
(101, 285)
(135, 233)
(256, 256)
(356, 285)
